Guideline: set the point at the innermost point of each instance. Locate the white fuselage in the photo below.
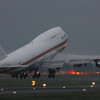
(46, 44)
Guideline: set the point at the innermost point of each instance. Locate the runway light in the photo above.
(44, 73)
(78, 73)
(37, 73)
(82, 73)
(34, 88)
(64, 87)
(14, 92)
(24, 73)
(1, 89)
(91, 86)
(93, 83)
(84, 90)
(57, 73)
(73, 73)
(97, 72)
(33, 83)
(30, 73)
(44, 85)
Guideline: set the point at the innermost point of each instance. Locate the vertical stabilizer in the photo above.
(2, 53)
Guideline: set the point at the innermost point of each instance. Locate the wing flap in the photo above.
(73, 59)
(52, 64)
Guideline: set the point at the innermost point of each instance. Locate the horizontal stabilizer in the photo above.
(2, 53)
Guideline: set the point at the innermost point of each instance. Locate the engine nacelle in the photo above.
(97, 63)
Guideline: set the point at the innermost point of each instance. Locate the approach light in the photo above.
(44, 73)
(84, 90)
(37, 73)
(97, 72)
(64, 87)
(57, 73)
(91, 86)
(34, 88)
(24, 73)
(1, 89)
(14, 92)
(33, 83)
(78, 73)
(73, 73)
(82, 73)
(44, 85)
(93, 83)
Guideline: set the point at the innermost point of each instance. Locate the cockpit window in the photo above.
(63, 36)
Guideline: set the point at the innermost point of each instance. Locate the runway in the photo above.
(27, 90)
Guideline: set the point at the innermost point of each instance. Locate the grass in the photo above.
(7, 81)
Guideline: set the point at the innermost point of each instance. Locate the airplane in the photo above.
(42, 52)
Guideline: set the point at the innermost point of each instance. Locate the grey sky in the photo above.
(22, 20)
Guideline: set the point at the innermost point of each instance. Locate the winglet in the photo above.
(2, 53)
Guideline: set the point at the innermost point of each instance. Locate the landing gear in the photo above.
(23, 75)
(51, 73)
(14, 75)
(36, 75)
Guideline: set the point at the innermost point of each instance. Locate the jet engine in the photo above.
(97, 63)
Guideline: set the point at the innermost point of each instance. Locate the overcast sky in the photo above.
(22, 20)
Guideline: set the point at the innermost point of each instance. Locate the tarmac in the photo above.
(27, 90)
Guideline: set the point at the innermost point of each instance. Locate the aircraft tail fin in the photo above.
(2, 53)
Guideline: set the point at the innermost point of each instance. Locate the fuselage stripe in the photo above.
(44, 53)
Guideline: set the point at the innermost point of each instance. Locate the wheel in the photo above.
(49, 76)
(33, 76)
(50, 71)
(24, 77)
(38, 75)
(16, 76)
(53, 71)
(12, 76)
(53, 76)
(21, 76)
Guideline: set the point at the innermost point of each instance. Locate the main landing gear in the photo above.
(51, 73)
(23, 75)
(36, 75)
(14, 75)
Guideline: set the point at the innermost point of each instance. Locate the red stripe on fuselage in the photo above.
(36, 57)
(44, 53)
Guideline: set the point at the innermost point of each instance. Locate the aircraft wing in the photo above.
(52, 64)
(77, 60)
